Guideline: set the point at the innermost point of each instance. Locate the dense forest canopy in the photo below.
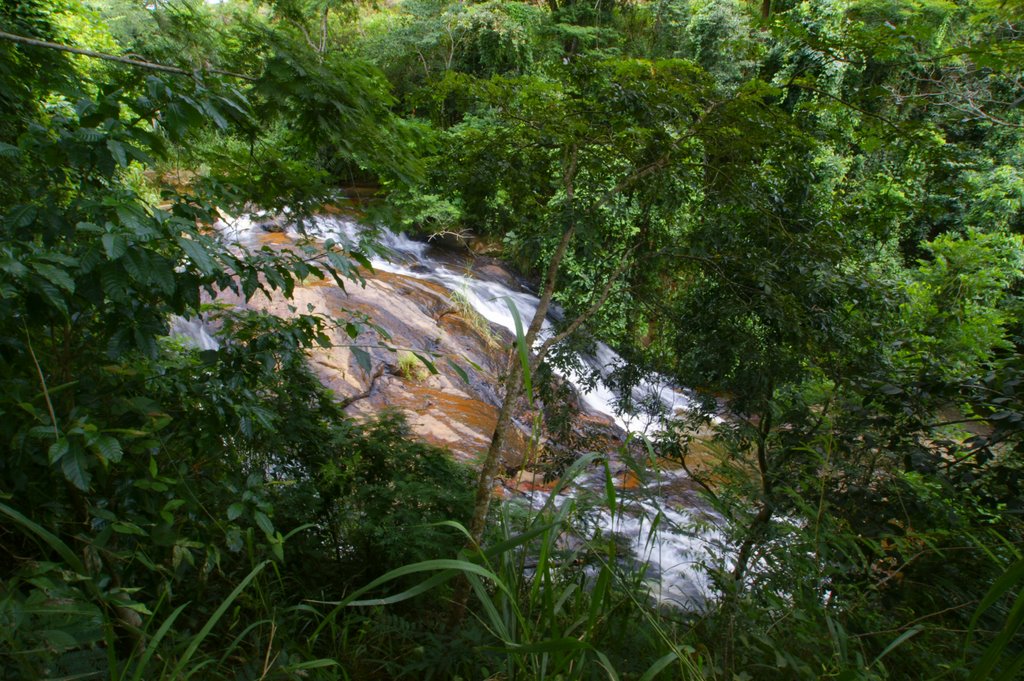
(809, 213)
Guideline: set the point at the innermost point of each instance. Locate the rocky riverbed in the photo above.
(424, 317)
(450, 303)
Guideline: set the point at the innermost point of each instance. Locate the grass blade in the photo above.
(152, 645)
(606, 664)
(523, 351)
(52, 540)
(659, 665)
(198, 639)
(910, 633)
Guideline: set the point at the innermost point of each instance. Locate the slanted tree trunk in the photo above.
(764, 514)
(514, 376)
(513, 385)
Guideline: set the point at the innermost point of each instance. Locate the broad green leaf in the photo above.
(114, 281)
(362, 358)
(90, 134)
(76, 469)
(235, 510)
(139, 155)
(58, 450)
(131, 216)
(264, 523)
(114, 245)
(277, 546)
(56, 276)
(58, 639)
(128, 528)
(216, 115)
(108, 447)
(13, 267)
(117, 151)
(22, 216)
(198, 254)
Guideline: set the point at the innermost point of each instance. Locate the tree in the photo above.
(577, 173)
(136, 471)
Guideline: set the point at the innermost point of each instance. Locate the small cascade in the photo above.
(660, 525)
(193, 332)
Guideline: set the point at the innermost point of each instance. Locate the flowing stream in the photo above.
(673, 552)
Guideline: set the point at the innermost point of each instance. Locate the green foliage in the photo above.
(391, 493)
(960, 301)
(175, 474)
(813, 213)
(410, 368)
(807, 209)
(420, 42)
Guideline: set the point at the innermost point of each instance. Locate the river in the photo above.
(665, 499)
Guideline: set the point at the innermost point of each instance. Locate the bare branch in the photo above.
(153, 66)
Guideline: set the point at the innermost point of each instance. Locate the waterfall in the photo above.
(673, 553)
(415, 259)
(193, 332)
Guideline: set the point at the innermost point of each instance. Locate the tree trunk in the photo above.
(513, 386)
(764, 514)
(492, 460)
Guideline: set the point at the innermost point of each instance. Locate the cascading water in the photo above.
(673, 552)
(414, 259)
(193, 332)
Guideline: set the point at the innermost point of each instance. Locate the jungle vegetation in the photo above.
(809, 212)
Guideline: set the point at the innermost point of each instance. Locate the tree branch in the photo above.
(153, 66)
(377, 373)
(587, 314)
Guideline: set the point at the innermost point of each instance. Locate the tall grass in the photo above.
(550, 602)
(86, 638)
(460, 301)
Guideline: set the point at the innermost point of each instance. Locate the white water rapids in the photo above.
(675, 552)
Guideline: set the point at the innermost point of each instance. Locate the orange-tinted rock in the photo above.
(418, 315)
(528, 481)
(627, 479)
(274, 238)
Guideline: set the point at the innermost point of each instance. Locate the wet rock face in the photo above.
(419, 317)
